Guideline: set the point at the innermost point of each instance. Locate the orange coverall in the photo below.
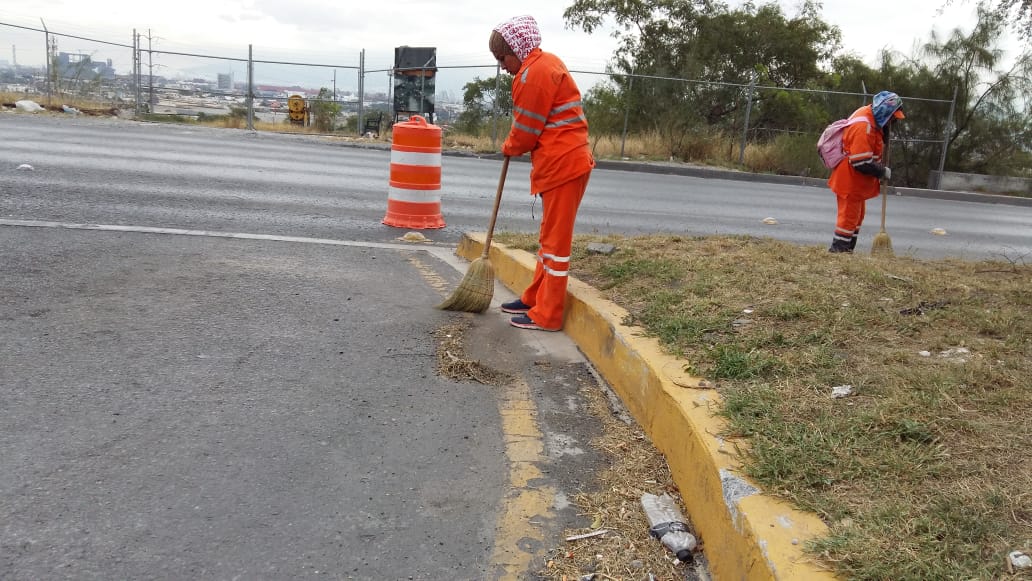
(862, 142)
(549, 122)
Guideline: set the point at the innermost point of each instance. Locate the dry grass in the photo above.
(85, 106)
(925, 472)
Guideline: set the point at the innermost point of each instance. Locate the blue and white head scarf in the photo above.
(885, 106)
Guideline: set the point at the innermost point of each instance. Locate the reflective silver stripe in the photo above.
(523, 77)
(403, 195)
(562, 108)
(576, 119)
(555, 272)
(555, 258)
(413, 158)
(522, 127)
(531, 114)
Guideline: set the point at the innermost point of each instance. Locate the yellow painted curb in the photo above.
(746, 535)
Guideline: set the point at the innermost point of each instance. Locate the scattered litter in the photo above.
(26, 167)
(1019, 560)
(747, 311)
(738, 323)
(668, 525)
(414, 237)
(589, 577)
(71, 110)
(956, 354)
(840, 391)
(925, 353)
(770, 221)
(598, 533)
(28, 106)
(938, 231)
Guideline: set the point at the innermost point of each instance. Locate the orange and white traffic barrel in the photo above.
(414, 199)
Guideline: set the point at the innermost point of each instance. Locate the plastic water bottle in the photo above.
(668, 525)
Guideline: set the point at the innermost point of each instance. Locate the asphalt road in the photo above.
(191, 404)
(199, 178)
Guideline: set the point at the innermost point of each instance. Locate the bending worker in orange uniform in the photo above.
(855, 180)
(549, 122)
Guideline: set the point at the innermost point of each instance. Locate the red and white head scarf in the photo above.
(521, 33)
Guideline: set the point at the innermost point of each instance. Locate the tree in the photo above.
(483, 98)
(1017, 12)
(993, 120)
(324, 110)
(716, 51)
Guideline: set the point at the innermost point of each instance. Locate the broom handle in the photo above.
(884, 185)
(494, 212)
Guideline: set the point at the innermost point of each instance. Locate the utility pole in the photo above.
(138, 71)
(46, 34)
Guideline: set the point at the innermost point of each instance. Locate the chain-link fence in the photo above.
(257, 91)
(74, 65)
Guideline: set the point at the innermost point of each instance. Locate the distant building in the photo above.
(81, 66)
(225, 82)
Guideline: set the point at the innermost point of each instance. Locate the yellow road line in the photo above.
(519, 529)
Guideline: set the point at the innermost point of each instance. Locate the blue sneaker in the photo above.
(525, 322)
(516, 307)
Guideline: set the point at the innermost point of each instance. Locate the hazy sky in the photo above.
(334, 32)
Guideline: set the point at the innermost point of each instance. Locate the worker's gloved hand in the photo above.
(888, 174)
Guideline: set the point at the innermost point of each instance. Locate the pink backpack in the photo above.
(829, 146)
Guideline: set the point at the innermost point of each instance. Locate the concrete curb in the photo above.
(746, 535)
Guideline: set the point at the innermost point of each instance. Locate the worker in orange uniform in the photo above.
(549, 122)
(855, 180)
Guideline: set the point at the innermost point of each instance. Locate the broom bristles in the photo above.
(474, 293)
(882, 244)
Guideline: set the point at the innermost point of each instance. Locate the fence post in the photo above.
(391, 109)
(626, 112)
(748, 111)
(946, 139)
(361, 92)
(494, 106)
(250, 87)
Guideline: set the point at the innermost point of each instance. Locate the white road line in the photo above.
(446, 254)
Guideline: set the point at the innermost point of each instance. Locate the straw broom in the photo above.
(474, 293)
(882, 244)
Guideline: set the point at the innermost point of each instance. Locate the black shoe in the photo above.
(852, 243)
(839, 245)
(525, 322)
(516, 307)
